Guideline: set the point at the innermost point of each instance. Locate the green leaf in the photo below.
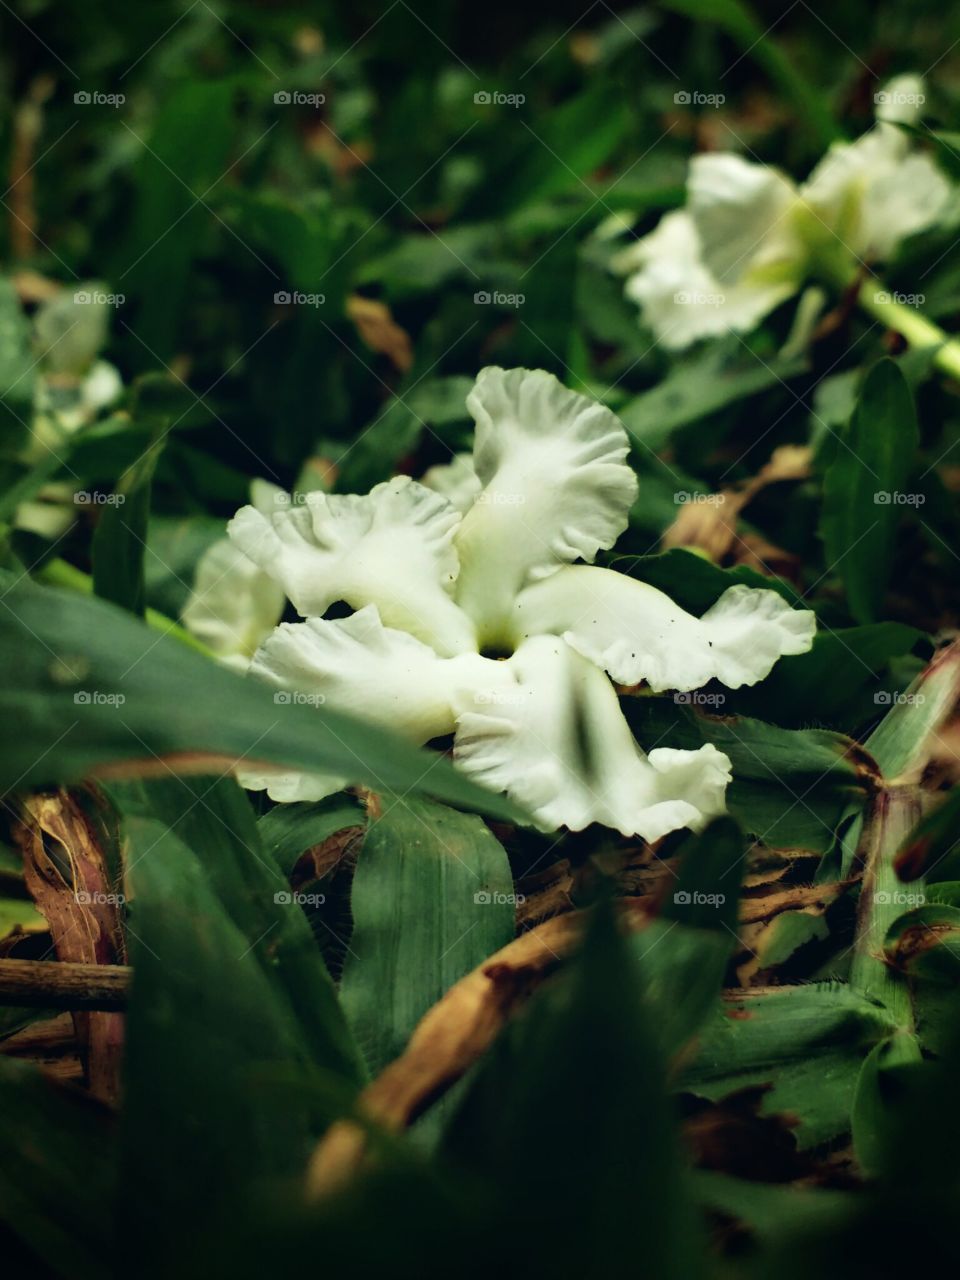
(827, 683)
(877, 1092)
(17, 374)
(901, 740)
(68, 660)
(806, 1043)
(432, 406)
(180, 164)
(698, 385)
(694, 582)
(210, 1040)
(550, 154)
(924, 943)
(554, 1111)
(57, 1172)
(214, 816)
(754, 38)
(432, 898)
(288, 830)
(120, 539)
(870, 464)
(791, 787)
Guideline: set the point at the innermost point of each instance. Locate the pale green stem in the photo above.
(58, 573)
(911, 324)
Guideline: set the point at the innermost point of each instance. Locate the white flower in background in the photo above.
(72, 387)
(748, 237)
(234, 605)
(69, 330)
(482, 624)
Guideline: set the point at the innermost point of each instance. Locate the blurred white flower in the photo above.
(748, 237)
(482, 625)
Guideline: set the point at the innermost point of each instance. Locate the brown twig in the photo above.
(450, 1037)
(53, 984)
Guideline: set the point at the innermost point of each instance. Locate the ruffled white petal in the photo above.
(637, 633)
(358, 666)
(457, 481)
(742, 213)
(681, 301)
(234, 605)
(875, 192)
(558, 744)
(392, 547)
(556, 488)
(287, 787)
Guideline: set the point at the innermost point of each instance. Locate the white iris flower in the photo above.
(234, 605)
(481, 619)
(749, 237)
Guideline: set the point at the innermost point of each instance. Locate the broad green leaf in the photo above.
(213, 1060)
(791, 787)
(879, 1089)
(288, 830)
(683, 954)
(769, 1209)
(700, 384)
(924, 942)
(695, 582)
(57, 1173)
(432, 898)
(903, 737)
(213, 817)
(68, 660)
(830, 682)
(806, 1042)
(585, 1050)
(865, 484)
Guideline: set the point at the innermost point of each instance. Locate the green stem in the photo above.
(59, 573)
(893, 814)
(911, 324)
